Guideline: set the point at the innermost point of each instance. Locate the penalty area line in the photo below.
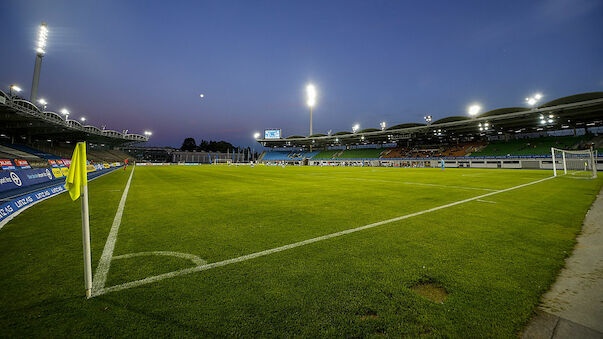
(205, 267)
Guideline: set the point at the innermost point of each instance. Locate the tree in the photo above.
(189, 144)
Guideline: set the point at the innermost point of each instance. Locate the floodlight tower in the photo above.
(40, 51)
(311, 93)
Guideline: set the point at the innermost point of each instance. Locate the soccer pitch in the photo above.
(295, 251)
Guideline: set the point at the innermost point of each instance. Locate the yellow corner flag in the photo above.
(78, 174)
(77, 185)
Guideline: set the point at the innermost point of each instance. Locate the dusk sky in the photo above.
(142, 64)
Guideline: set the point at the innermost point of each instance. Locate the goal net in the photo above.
(580, 163)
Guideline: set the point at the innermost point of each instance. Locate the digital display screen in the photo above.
(272, 134)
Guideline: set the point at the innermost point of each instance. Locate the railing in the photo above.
(25, 107)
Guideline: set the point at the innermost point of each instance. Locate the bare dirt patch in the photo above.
(431, 291)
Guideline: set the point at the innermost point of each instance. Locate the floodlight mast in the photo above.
(40, 51)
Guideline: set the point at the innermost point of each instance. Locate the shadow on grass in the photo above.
(157, 318)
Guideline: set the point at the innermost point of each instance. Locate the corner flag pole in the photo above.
(86, 240)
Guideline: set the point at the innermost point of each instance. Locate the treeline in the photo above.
(189, 144)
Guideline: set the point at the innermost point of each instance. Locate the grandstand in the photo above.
(27, 132)
(572, 122)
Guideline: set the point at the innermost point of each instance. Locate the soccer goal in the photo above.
(222, 162)
(580, 163)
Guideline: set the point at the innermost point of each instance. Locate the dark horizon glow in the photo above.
(142, 65)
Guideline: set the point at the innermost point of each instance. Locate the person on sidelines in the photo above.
(125, 164)
(442, 163)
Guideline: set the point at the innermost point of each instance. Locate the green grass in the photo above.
(493, 260)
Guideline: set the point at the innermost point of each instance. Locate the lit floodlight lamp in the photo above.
(383, 125)
(42, 38)
(355, 128)
(533, 100)
(64, 111)
(42, 102)
(428, 119)
(148, 133)
(15, 88)
(256, 135)
(550, 121)
(82, 119)
(474, 109)
(311, 94)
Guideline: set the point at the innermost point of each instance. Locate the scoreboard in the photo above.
(272, 134)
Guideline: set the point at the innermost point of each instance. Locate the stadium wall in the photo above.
(513, 162)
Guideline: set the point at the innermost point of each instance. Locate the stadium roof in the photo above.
(576, 111)
(20, 117)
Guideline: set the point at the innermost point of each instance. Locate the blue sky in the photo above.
(142, 64)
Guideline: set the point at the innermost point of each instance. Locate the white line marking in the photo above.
(100, 276)
(489, 201)
(97, 292)
(195, 259)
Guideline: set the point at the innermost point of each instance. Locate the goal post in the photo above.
(581, 163)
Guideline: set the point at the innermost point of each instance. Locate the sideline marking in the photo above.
(97, 292)
(100, 276)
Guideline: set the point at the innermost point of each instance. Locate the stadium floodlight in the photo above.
(355, 128)
(15, 88)
(474, 109)
(383, 125)
(311, 94)
(42, 38)
(65, 112)
(148, 133)
(428, 119)
(256, 135)
(82, 119)
(533, 100)
(43, 102)
(40, 52)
